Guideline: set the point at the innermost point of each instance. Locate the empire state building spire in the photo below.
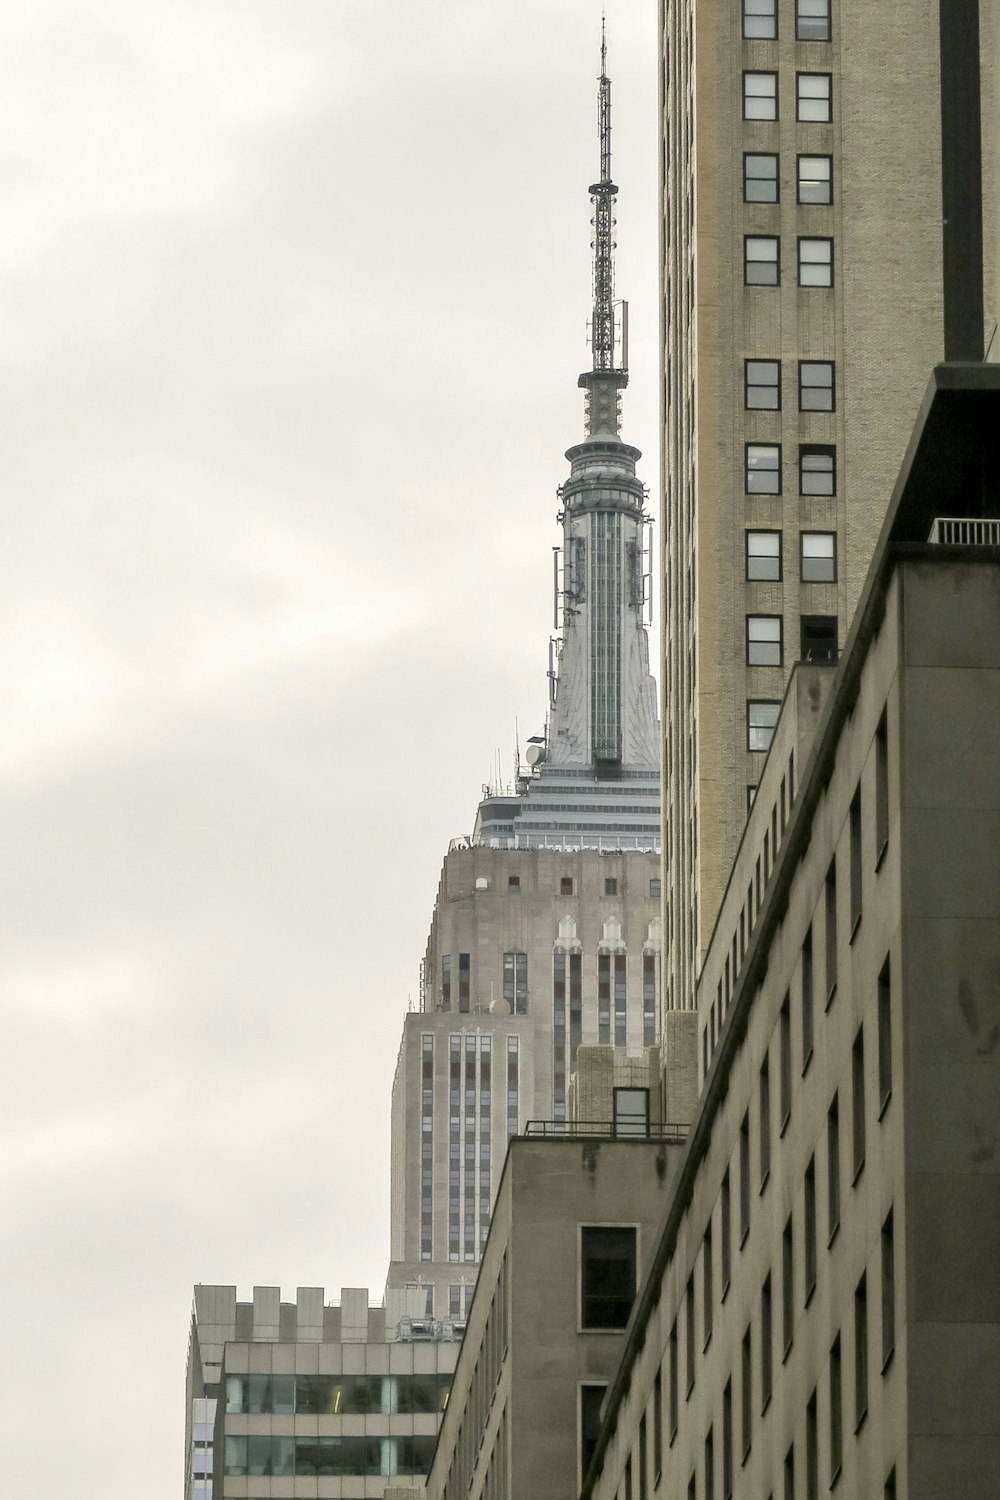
(594, 775)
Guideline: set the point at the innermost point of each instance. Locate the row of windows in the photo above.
(336, 1395)
(762, 178)
(813, 97)
(356, 1456)
(817, 469)
(762, 384)
(765, 644)
(762, 260)
(817, 556)
(812, 20)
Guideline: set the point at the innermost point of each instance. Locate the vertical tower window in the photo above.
(689, 1333)
(747, 1391)
(836, 1423)
(760, 177)
(674, 1383)
(648, 999)
(464, 980)
(761, 260)
(763, 556)
(817, 469)
(426, 1145)
(454, 1146)
(812, 20)
(815, 261)
(764, 645)
(787, 1287)
(812, 1451)
(888, 1292)
(884, 1037)
(706, 1265)
(788, 1492)
(815, 179)
(643, 1461)
(725, 1234)
(446, 981)
(513, 1086)
(861, 1352)
(744, 1178)
(785, 1063)
(809, 1229)
(813, 96)
(816, 385)
(764, 1099)
(760, 19)
(881, 787)
(830, 899)
(763, 469)
(858, 1101)
(515, 982)
(621, 1001)
(855, 843)
(575, 1004)
(762, 384)
(658, 1426)
(760, 95)
(727, 1440)
(559, 1034)
(469, 1210)
(766, 1332)
(709, 1463)
(604, 999)
(833, 1169)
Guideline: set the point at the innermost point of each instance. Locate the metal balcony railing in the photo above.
(606, 1130)
(956, 531)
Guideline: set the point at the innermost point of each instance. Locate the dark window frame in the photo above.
(829, 24)
(625, 1238)
(759, 385)
(814, 386)
(815, 450)
(807, 239)
(761, 73)
(747, 178)
(775, 240)
(818, 581)
(751, 36)
(748, 643)
(826, 119)
(762, 531)
(802, 156)
(748, 488)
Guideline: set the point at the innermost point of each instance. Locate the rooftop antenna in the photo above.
(604, 380)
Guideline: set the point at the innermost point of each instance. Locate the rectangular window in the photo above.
(815, 179)
(591, 1397)
(818, 638)
(725, 1227)
(674, 1383)
(643, 1462)
(706, 1264)
(817, 469)
(628, 1478)
(807, 999)
(709, 1466)
(833, 1169)
(836, 1422)
(515, 982)
(607, 1275)
(689, 1334)
(464, 981)
(762, 716)
(881, 788)
(611, 886)
(766, 1345)
(657, 1426)
(884, 1038)
(809, 1230)
(818, 556)
(621, 1005)
(813, 95)
(747, 1392)
(446, 981)
(764, 641)
(861, 1352)
(789, 1472)
(513, 882)
(812, 1451)
(727, 1440)
(812, 20)
(830, 894)
(787, 1288)
(855, 844)
(565, 885)
(817, 385)
(744, 1178)
(888, 1292)
(762, 384)
(760, 177)
(763, 556)
(760, 19)
(761, 260)
(858, 1101)
(764, 1101)
(760, 95)
(889, 1492)
(630, 1112)
(815, 261)
(763, 469)
(785, 1063)
(655, 888)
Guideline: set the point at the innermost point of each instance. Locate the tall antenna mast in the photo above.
(602, 391)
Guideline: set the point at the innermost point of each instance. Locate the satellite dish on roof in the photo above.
(534, 754)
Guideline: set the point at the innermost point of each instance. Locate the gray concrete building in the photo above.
(307, 1398)
(823, 168)
(822, 1307)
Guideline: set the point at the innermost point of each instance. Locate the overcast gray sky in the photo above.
(293, 297)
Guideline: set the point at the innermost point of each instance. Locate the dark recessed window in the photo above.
(836, 1424)
(591, 1397)
(813, 98)
(762, 716)
(858, 1102)
(761, 260)
(815, 261)
(515, 982)
(881, 787)
(809, 1230)
(763, 554)
(819, 556)
(888, 1292)
(763, 469)
(861, 1352)
(812, 20)
(566, 885)
(655, 888)
(884, 1037)
(815, 179)
(760, 95)
(816, 385)
(817, 469)
(607, 1276)
(764, 641)
(513, 882)
(610, 886)
(760, 177)
(818, 638)
(833, 1169)
(760, 19)
(762, 384)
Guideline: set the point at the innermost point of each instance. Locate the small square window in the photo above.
(763, 469)
(813, 97)
(513, 882)
(815, 179)
(611, 886)
(761, 260)
(816, 385)
(762, 383)
(764, 641)
(815, 262)
(760, 95)
(812, 20)
(566, 885)
(762, 716)
(760, 177)
(760, 19)
(817, 470)
(763, 556)
(819, 556)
